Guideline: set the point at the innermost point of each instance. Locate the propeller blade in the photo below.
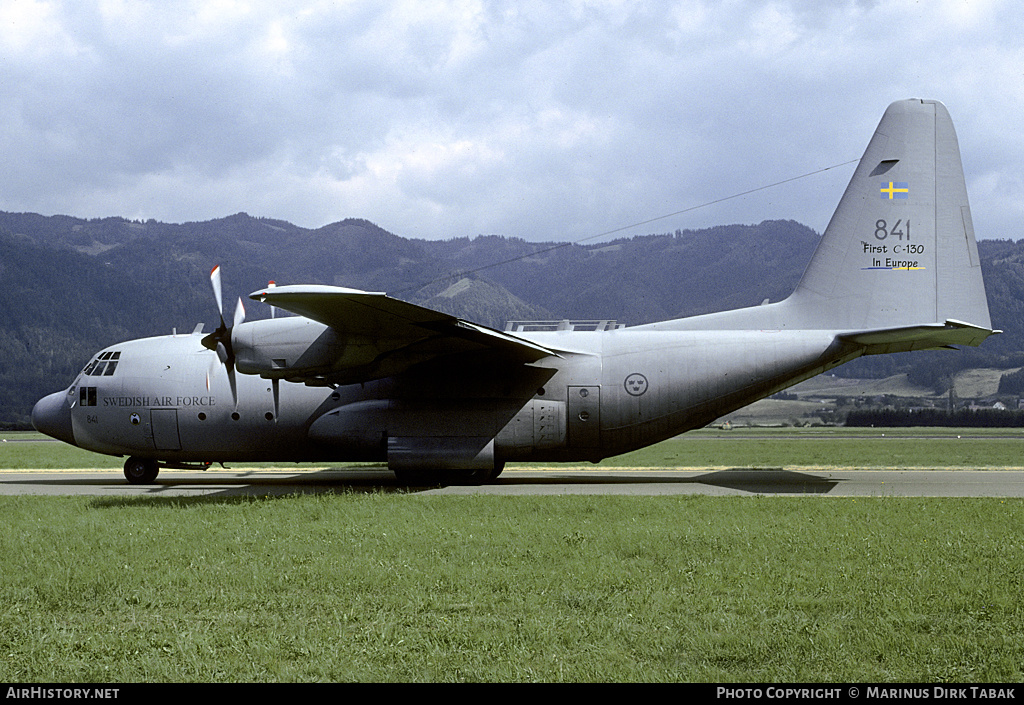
(215, 281)
(215, 375)
(217, 368)
(239, 313)
(220, 340)
(233, 385)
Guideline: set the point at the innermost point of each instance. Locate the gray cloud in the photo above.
(544, 121)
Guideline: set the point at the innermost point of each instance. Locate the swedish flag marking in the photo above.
(895, 189)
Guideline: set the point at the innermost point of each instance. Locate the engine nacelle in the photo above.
(302, 350)
(281, 347)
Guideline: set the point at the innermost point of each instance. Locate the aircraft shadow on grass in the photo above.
(752, 480)
(768, 482)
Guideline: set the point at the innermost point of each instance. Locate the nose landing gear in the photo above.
(141, 471)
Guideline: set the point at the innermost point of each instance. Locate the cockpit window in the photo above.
(104, 365)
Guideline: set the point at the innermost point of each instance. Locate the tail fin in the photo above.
(897, 268)
(899, 251)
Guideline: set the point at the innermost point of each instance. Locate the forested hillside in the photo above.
(69, 286)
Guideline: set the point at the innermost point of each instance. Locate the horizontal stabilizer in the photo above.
(929, 336)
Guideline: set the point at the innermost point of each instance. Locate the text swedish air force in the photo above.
(160, 401)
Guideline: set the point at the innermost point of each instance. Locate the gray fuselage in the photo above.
(618, 390)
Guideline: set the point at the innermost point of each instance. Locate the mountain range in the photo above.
(71, 286)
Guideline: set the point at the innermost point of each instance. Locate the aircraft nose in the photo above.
(51, 415)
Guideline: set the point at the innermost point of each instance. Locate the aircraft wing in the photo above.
(395, 334)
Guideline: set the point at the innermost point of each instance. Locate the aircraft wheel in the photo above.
(140, 471)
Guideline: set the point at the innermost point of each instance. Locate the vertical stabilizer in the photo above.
(900, 248)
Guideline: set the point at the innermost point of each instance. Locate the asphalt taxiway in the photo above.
(789, 481)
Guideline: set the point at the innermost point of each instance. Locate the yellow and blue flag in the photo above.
(895, 189)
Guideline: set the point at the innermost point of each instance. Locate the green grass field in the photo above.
(835, 447)
(411, 587)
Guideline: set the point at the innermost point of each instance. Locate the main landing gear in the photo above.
(422, 478)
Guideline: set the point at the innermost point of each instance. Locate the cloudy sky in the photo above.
(541, 120)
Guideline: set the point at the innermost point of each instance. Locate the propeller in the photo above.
(220, 340)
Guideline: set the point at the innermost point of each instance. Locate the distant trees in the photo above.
(967, 418)
(1012, 383)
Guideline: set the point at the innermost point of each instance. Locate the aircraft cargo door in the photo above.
(165, 429)
(584, 412)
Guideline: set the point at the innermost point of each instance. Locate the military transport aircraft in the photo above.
(360, 376)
